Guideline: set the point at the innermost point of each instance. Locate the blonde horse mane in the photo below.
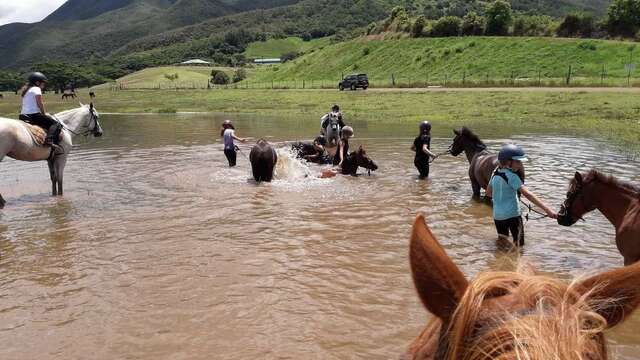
(548, 307)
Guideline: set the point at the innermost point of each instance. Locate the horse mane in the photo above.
(556, 320)
(595, 175)
(465, 131)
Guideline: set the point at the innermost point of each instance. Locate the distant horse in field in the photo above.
(618, 201)
(66, 95)
(482, 163)
(19, 141)
(92, 95)
(263, 160)
(1, 96)
(351, 164)
(514, 315)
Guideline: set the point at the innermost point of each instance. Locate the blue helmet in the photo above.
(425, 126)
(511, 152)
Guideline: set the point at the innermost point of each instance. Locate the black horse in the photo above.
(263, 160)
(357, 159)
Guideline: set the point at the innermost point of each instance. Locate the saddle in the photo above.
(37, 134)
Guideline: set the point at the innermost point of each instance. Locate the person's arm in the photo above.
(340, 145)
(425, 149)
(237, 138)
(489, 192)
(534, 199)
(40, 104)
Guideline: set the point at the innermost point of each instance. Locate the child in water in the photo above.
(504, 187)
(422, 147)
(228, 135)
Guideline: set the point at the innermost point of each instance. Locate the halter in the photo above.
(566, 207)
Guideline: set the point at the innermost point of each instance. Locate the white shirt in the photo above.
(29, 103)
(228, 139)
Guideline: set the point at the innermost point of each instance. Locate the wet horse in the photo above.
(351, 164)
(514, 315)
(482, 163)
(17, 142)
(331, 128)
(263, 160)
(618, 201)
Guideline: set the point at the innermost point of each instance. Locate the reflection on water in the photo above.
(158, 250)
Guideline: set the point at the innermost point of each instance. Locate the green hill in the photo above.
(474, 58)
(278, 47)
(161, 77)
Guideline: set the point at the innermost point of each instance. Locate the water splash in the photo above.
(289, 167)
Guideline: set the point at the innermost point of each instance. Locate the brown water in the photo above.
(160, 251)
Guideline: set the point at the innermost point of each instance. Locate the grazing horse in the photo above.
(17, 142)
(263, 160)
(514, 315)
(482, 163)
(68, 95)
(331, 128)
(92, 95)
(618, 201)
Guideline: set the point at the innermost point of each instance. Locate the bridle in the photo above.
(572, 195)
(89, 130)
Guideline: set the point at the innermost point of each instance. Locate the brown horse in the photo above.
(351, 164)
(263, 160)
(482, 163)
(618, 201)
(514, 315)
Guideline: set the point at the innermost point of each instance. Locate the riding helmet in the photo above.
(227, 124)
(348, 130)
(321, 140)
(34, 77)
(511, 152)
(425, 126)
(335, 108)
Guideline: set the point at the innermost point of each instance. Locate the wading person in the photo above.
(422, 147)
(33, 110)
(312, 151)
(228, 135)
(343, 146)
(504, 187)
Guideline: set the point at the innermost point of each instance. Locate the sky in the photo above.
(27, 10)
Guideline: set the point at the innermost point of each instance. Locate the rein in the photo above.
(87, 132)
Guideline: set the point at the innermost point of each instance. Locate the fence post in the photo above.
(393, 80)
(303, 84)
(569, 75)
(602, 76)
(445, 79)
(539, 77)
(464, 77)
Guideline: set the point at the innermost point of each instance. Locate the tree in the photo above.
(623, 18)
(239, 75)
(499, 18)
(576, 25)
(219, 77)
(418, 26)
(472, 24)
(447, 26)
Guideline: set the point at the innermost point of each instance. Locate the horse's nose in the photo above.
(98, 134)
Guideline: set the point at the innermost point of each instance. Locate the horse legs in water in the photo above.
(52, 175)
(56, 172)
(476, 188)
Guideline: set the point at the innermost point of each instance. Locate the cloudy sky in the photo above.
(26, 10)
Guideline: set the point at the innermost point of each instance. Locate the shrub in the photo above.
(574, 25)
(472, 24)
(447, 26)
(418, 26)
(239, 75)
(171, 77)
(587, 45)
(498, 17)
(289, 56)
(623, 18)
(220, 78)
(365, 51)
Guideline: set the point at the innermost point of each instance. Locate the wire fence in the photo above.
(532, 78)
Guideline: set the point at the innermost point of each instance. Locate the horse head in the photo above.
(84, 120)
(514, 315)
(577, 203)
(465, 139)
(363, 160)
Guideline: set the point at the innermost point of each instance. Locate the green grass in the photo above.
(612, 115)
(474, 58)
(154, 78)
(275, 48)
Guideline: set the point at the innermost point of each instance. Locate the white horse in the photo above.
(330, 127)
(17, 142)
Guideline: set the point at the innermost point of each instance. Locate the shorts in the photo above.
(513, 225)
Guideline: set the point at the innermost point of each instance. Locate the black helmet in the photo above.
(425, 126)
(335, 108)
(35, 77)
(511, 152)
(321, 140)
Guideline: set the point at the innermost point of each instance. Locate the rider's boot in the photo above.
(53, 136)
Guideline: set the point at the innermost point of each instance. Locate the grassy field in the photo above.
(608, 114)
(501, 60)
(275, 48)
(195, 77)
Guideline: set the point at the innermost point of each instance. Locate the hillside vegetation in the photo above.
(275, 48)
(475, 58)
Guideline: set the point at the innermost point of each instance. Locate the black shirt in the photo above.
(418, 143)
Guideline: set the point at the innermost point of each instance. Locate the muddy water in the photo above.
(160, 251)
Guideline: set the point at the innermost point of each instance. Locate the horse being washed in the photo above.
(514, 315)
(17, 142)
(618, 201)
(351, 164)
(482, 163)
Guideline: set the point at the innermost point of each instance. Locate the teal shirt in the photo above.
(505, 196)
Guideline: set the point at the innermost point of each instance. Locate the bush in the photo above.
(587, 45)
(498, 17)
(473, 24)
(623, 18)
(447, 26)
(365, 51)
(220, 77)
(574, 25)
(289, 56)
(171, 77)
(418, 26)
(239, 75)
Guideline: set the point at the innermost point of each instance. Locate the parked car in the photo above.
(354, 81)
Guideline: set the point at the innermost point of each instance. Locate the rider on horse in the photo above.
(334, 113)
(33, 111)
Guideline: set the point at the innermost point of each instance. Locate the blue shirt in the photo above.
(505, 195)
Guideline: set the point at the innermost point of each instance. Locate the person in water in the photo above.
(312, 151)
(228, 135)
(422, 147)
(504, 186)
(33, 111)
(335, 113)
(343, 146)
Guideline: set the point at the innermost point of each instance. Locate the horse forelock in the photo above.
(515, 315)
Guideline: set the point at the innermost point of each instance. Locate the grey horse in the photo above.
(263, 160)
(330, 128)
(17, 142)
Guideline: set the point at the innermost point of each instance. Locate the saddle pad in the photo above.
(37, 134)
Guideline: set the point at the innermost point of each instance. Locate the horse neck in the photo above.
(612, 201)
(73, 119)
(471, 150)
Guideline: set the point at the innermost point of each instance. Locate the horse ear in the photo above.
(439, 282)
(456, 132)
(578, 177)
(615, 294)
(91, 105)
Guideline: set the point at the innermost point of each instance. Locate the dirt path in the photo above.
(513, 89)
